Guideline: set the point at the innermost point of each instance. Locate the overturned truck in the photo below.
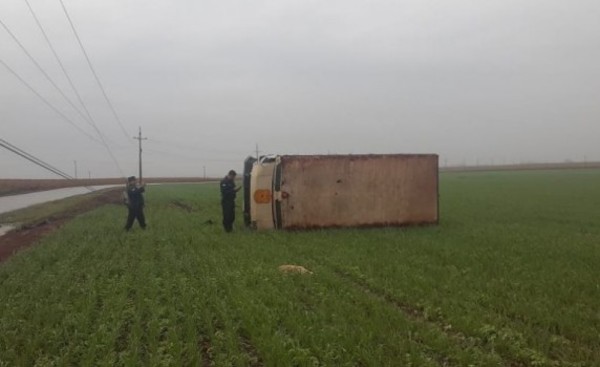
(323, 191)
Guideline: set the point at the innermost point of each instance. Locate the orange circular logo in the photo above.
(262, 196)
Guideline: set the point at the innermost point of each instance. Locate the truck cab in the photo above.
(258, 193)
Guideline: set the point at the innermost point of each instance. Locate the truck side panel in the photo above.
(356, 191)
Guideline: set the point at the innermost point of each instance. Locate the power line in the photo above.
(47, 102)
(60, 63)
(62, 114)
(33, 159)
(91, 119)
(39, 162)
(94, 71)
(39, 67)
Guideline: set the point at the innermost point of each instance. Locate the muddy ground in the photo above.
(29, 234)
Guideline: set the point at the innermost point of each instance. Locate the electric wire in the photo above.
(60, 63)
(34, 159)
(114, 112)
(37, 161)
(91, 119)
(52, 107)
(41, 69)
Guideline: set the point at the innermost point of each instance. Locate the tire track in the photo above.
(412, 313)
(518, 356)
(205, 348)
(254, 358)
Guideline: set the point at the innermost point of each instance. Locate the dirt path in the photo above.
(28, 235)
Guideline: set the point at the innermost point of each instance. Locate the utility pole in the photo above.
(139, 139)
(257, 157)
(75, 164)
(204, 170)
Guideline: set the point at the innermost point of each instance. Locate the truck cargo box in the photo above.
(322, 191)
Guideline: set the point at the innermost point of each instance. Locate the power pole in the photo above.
(257, 157)
(204, 169)
(75, 164)
(139, 139)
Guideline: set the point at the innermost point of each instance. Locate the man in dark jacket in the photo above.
(228, 191)
(135, 203)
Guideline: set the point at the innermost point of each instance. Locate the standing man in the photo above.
(135, 203)
(228, 191)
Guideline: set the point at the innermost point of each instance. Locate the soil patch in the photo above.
(29, 234)
(181, 205)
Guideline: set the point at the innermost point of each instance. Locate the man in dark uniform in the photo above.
(228, 191)
(135, 203)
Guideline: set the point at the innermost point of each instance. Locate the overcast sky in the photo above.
(474, 81)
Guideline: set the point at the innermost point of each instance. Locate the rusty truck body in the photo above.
(324, 191)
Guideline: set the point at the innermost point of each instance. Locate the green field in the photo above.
(510, 277)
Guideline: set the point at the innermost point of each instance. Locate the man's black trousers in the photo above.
(136, 212)
(228, 215)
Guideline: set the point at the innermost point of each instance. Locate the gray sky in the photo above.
(499, 80)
